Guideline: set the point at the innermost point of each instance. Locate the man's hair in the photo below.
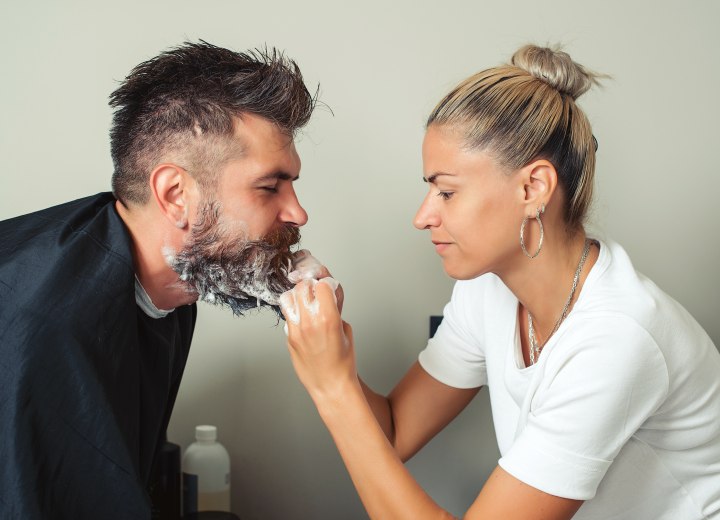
(179, 107)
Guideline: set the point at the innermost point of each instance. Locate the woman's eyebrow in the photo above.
(435, 175)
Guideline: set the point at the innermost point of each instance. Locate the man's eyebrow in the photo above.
(279, 176)
(434, 176)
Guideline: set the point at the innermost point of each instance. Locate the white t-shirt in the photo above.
(622, 409)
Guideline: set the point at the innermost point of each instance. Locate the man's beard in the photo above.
(232, 270)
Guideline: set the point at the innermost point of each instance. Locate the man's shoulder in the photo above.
(70, 212)
(71, 256)
(61, 228)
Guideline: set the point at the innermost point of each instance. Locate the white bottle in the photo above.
(206, 473)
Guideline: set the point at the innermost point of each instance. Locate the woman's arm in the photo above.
(417, 409)
(387, 489)
(322, 351)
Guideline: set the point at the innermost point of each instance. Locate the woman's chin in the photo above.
(459, 271)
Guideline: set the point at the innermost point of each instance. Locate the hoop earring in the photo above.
(539, 211)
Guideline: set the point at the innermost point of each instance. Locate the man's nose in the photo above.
(292, 212)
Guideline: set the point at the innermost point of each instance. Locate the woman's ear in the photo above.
(539, 183)
(171, 188)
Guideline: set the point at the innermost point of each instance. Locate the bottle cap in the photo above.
(205, 433)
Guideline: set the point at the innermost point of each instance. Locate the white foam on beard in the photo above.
(240, 287)
(169, 254)
(256, 286)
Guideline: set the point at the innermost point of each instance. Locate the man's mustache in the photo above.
(208, 238)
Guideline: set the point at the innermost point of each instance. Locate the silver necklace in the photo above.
(535, 347)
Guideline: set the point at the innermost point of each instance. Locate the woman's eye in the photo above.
(445, 195)
(271, 189)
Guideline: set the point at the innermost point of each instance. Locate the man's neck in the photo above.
(150, 236)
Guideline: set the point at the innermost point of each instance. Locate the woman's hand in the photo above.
(320, 343)
(306, 267)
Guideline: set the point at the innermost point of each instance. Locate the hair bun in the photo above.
(556, 68)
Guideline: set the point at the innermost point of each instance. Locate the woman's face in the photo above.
(473, 208)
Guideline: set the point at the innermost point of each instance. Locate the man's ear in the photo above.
(539, 180)
(172, 186)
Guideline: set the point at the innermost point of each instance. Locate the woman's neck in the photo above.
(543, 284)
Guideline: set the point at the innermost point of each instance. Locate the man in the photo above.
(98, 295)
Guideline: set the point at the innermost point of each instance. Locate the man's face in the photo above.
(238, 252)
(255, 190)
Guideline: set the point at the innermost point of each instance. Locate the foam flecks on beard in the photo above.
(223, 267)
(241, 288)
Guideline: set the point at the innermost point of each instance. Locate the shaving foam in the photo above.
(290, 305)
(304, 267)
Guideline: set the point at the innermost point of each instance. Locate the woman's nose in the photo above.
(426, 216)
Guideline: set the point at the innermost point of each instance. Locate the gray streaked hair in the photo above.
(179, 107)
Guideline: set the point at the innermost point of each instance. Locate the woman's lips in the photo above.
(440, 247)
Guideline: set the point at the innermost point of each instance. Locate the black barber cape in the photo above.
(87, 380)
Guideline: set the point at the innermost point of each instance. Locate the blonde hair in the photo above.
(525, 111)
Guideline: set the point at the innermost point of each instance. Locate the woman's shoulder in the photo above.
(615, 290)
(629, 316)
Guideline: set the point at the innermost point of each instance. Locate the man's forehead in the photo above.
(255, 134)
(263, 152)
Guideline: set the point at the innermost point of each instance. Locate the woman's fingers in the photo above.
(316, 302)
(338, 291)
(319, 341)
(309, 304)
(307, 267)
(347, 330)
(288, 306)
(327, 297)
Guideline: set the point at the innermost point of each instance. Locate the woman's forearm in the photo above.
(385, 486)
(380, 406)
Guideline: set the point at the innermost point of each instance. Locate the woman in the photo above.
(605, 392)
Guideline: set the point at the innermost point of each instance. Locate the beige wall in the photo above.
(381, 66)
